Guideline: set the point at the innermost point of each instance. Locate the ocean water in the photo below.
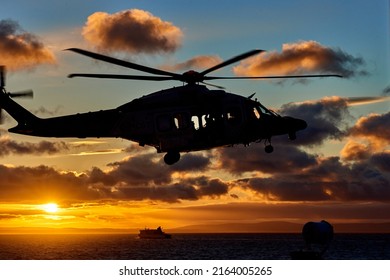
(185, 246)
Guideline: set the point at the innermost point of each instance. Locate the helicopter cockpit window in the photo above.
(256, 113)
(264, 110)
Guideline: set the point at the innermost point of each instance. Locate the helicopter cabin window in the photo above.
(181, 120)
(195, 122)
(233, 115)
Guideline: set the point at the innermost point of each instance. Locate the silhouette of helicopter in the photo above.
(187, 118)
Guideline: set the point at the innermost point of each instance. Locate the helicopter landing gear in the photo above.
(268, 147)
(171, 158)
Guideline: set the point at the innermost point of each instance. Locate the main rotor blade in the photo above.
(122, 77)
(230, 61)
(272, 77)
(124, 63)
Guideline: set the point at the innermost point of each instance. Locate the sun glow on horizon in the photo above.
(50, 207)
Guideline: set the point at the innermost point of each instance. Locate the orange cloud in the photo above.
(355, 151)
(197, 62)
(304, 57)
(133, 31)
(375, 125)
(20, 49)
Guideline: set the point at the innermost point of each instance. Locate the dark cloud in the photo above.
(207, 186)
(361, 174)
(192, 161)
(330, 179)
(9, 146)
(381, 161)
(133, 31)
(304, 57)
(43, 183)
(142, 169)
(326, 119)
(284, 159)
(20, 49)
(295, 176)
(141, 177)
(169, 193)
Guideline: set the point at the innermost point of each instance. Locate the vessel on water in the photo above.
(153, 234)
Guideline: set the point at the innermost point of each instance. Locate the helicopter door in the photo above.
(175, 131)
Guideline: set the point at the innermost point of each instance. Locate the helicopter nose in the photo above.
(294, 124)
(300, 124)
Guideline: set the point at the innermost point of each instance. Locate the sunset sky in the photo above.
(338, 169)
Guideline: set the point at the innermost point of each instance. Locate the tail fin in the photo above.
(26, 120)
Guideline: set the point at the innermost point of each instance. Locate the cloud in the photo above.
(304, 57)
(284, 159)
(190, 162)
(381, 161)
(140, 170)
(355, 151)
(43, 183)
(133, 31)
(20, 49)
(329, 180)
(290, 173)
(326, 119)
(374, 126)
(197, 63)
(9, 146)
(142, 177)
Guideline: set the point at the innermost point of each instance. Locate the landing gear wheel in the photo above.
(269, 149)
(171, 158)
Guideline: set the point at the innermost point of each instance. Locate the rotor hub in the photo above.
(192, 77)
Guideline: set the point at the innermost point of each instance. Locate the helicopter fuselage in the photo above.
(180, 119)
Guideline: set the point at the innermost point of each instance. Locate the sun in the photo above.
(50, 207)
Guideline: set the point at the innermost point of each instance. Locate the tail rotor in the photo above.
(3, 91)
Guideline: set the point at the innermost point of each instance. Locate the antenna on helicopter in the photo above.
(25, 93)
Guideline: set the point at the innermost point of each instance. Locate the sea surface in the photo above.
(186, 247)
